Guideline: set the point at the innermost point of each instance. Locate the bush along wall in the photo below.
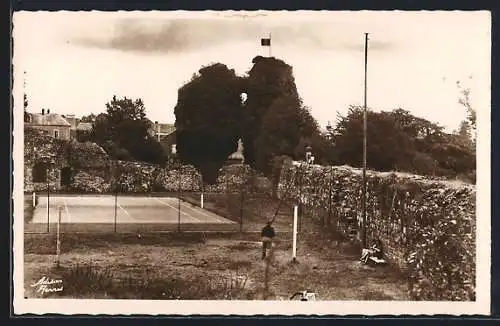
(89, 169)
(427, 226)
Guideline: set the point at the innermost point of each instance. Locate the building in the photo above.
(52, 124)
(166, 136)
(329, 131)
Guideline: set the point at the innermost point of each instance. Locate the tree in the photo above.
(88, 118)
(464, 134)
(275, 120)
(268, 80)
(389, 147)
(279, 134)
(465, 100)
(400, 141)
(208, 119)
(124, 131)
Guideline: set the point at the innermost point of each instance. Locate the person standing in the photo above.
(267, 238)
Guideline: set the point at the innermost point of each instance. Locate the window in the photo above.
(56, 133)
(40, 172)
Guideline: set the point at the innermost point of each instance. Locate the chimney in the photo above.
(48, 111)
(43, 111)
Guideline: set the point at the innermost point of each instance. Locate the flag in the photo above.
(265, 42)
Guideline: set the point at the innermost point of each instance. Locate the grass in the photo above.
(92, 281)
(223, 266)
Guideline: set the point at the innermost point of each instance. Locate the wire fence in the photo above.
(240, 195)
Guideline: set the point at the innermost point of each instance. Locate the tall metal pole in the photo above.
(363, 228)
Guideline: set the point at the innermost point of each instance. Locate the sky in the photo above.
(74, 62)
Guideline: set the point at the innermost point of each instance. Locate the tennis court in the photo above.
(124, 214)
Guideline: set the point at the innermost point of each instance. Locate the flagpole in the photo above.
(363, 229)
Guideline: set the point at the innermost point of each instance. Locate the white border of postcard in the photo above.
(128, 307)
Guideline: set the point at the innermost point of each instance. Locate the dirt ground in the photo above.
(325, 265)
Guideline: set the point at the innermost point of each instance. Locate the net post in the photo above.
(58, 248)
(294, 243)
(34, 199)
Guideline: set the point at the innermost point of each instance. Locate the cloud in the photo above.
(171, 35)
(181, 35)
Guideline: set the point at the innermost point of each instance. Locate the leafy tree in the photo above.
(276, 122)
(208, 119)
(388, 146)
(279, 132)
(464, 134)
(323, 149)
(400, 141)
(268, 80)
(124, 132)
(88, 118)
(465, 100)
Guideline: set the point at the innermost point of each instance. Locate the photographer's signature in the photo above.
(46, 285)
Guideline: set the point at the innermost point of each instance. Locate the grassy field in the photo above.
(255, 213)
(211, 266)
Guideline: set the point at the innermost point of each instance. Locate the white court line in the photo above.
(188, 215)
(211, 215)
(67, 211)
(123, 209)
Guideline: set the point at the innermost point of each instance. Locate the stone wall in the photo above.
(64, 131)
(93, 171)
(427, 226)
(47, 152)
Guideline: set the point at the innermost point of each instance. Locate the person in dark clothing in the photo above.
(267, 238)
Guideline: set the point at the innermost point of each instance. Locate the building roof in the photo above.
(71, 119)
(164, 129)
(48, 119)
(86, 126)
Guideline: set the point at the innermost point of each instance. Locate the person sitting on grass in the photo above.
(374, 251)
(267, 238)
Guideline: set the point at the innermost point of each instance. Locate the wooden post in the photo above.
(242, 203)
(34, 199)
(201, 200)
(266, 278)
(179, 202)
(294, 243)
(116, 208)
(48, 202)
(58, 248)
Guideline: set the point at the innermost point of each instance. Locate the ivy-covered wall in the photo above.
(91, 170)
(427, 227)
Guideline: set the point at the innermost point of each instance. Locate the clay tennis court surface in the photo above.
(131, 214)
